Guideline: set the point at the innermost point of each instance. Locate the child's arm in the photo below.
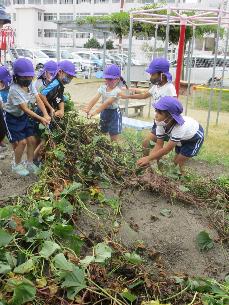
(92, 103)
(140, 96)
(42, 107)
(104, 106)
(24, 107)
(60, 113)
(157, 153)
(46, 103)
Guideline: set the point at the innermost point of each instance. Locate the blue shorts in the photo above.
(2, 126)
(111, 121)
(191, 147)
(18, 128)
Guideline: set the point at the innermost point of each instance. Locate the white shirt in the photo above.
(178, 133)
(108, 94)
(158, 92)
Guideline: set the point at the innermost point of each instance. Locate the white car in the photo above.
(85, 61)
(37, 57)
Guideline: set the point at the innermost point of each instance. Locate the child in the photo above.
(186, 135)
(161, 79)
(110, 114)
(46, 75)
(53, 93)
(5, 81)
(17, 115)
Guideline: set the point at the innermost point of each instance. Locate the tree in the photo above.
(92, 43)
(110, 44)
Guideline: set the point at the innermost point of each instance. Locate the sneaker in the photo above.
(32, 168)
(20, 169)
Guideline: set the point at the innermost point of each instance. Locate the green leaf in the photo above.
(204, 241)
(49, 247)
(4, 268)
(75, 243)
(70, 189)
(60, 155)
(64, 206)
(46, 211)
(11, 259)
(74, 281)
(102, 252)
(61, 262)
(5, 238)
(129, 296)
(63, 231)
(25, 267)
(24, 291)
(6, 212)
(166, 212)
(133, 258)
(87, 260)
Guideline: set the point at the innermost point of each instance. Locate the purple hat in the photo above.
(160, 65)
(112, 72)
(23, 67)
(5, 76)
(173, 106)
(68, 67)
(50, 66)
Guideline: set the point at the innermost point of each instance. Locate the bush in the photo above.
(92, 43)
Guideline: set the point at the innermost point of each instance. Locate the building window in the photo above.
(82, 35)
(50, 17)
(49, 33)
(66, 1)
(39, 16)
(83, 14)
(100, 14)
(101, 1)
(34, 1)
(66, 16)
(39, 32)
(82, 1)
(19, 1)
(66, 34)
(50, 1)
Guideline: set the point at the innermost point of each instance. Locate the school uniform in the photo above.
(188, 137)
(157, 92)
(19, 125)
(110, 118)
(54, 92)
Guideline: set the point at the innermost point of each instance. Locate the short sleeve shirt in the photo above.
(178, 133)
(54, 93)
(158, 92)
(18, 96)
(108, 94)
(4, 95)
(40, 84)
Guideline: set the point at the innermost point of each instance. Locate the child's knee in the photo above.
(22, 142)
(31, 140)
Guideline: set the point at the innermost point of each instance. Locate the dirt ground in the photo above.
(172, 239)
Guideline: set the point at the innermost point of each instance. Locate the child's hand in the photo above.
(86, 109)
(143, 161)
(51, 111)
(59, 114)
(44, 121)
(48, 118)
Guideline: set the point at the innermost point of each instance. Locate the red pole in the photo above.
(180, 55)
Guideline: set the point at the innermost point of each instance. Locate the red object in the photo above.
(180, 56)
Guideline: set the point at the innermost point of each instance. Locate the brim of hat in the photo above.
(151, 71)
(168, 76)
(26, 74)
(41, 72)
(107, 76)
(178, 118)
(70, 73)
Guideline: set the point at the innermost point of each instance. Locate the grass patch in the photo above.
(202, 100)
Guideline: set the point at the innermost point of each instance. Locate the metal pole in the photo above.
(222, 78)
(190, 70)
(188, 60)
(155, 41)
(214, 68)
(167, 34)
(58, 41)
(129, 61)
(104, 49)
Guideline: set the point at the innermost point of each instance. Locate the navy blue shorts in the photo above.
(18, 128)
(191, 147)
(2, 126)
(111, 121)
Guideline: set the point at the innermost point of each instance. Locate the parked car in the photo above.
(86, 63)
(64, 54)
(37, 57)
(90, 56)
(108, 61)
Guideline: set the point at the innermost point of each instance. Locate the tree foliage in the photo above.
(92, 43)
